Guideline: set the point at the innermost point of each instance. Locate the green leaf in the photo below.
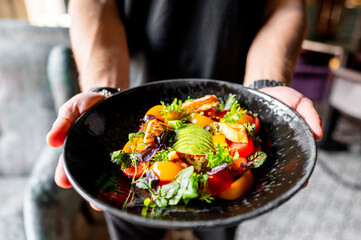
(185, 187)
(206, 197)
(175, 106)
(257, 159)
(107, 182)
(126, 160)
(161, 156)
(191, 191)
(229, 102)
(131, 136)
(169, 190)
(161, 202)
(250, 128)
(221, 156)
(177, 124)
(235, 112)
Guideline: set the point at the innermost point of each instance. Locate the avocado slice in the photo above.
(193, 139)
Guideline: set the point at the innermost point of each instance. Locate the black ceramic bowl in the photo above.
(105, 128)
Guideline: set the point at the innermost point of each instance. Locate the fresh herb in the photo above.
(189, 99)
(231, 101)
(221, 156)
(107, 182)
(126, 160)
(184, 187)
(166, 139)
(161, 155)
(250, 128)
(148, 182)
(206, 197)
(174, 108)
(177, 124)
(235, 112)
(257, 159)
(131, 136)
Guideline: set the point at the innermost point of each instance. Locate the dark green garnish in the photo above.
(257, 159)
(126, 160)
(175, 106)
(221, 156)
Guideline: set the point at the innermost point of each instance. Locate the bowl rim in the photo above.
(199, 224)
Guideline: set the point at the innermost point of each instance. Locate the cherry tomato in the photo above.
(220, 114)
(136, 172)
(211, 113)
(166, 171)
(257, 123)
(243, 149)
(219, 181)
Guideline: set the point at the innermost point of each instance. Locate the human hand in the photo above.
(69, 112)
(301, 104)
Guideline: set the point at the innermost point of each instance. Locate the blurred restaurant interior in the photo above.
(328, 71)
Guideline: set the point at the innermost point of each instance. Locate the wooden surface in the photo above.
(13, 9)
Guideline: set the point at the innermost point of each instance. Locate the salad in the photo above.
(196, 150)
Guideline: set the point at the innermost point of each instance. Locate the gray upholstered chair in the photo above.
(36, 76)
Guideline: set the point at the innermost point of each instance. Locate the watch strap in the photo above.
(105, 91)
(265, 83)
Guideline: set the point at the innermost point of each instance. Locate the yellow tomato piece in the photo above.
(128, 146)
(166, 171)
(245, 119)
(218, 139)
(238, 188)
(140, 145)
(155, 111)
(200, 120)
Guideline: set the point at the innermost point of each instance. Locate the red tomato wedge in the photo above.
(243, 149)
(136, 172)
(219, 182)
(210, 113)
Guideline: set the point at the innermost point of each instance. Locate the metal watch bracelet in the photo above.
(265, 83)
(105, 91)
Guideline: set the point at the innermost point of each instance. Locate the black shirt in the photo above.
(189, 38)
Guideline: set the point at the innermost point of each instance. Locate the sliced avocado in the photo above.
(193, 139)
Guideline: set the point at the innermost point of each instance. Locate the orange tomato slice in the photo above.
(166, 171)
(200, 120)
(238, 188)
(128, 146)
(245, 119)
(155, 111)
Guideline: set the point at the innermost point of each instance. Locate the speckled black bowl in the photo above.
(105, 127)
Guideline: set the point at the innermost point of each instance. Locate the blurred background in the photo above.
(36, 77)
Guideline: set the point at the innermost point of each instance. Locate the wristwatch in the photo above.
(105, 91)
(265, 83)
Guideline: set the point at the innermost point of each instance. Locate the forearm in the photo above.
(275, 49)
(99, 44)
